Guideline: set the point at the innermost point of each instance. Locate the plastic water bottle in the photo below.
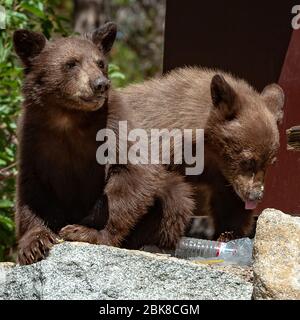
(235, 252)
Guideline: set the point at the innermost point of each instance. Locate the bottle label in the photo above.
(220, 248)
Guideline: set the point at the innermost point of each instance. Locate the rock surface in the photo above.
(82, 271)
(4, 268)
(277, 256)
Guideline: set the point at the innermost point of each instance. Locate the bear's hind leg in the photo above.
(177, 208)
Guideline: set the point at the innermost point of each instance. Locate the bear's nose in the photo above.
(256, 195)
(101, 85)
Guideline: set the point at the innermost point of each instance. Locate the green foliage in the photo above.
(127, 62)
(117, 77)
(39, 16)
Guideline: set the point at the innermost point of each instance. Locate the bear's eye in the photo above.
(248, 165)
(274, 160)
(100, 64)
(72, 63)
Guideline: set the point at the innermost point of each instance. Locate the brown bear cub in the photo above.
(240, 132)
(62, 191)
(59, 180)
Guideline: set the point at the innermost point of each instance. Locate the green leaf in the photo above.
(7, 223)
(8, 3)
(34, 10)
(5, 203)
(117, 75)
(19, 15)
(113, 67)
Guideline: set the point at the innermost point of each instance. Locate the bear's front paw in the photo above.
(34, 246)
(75, 232)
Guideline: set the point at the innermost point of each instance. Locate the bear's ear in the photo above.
(273, 95)
(28, 44)
(223, 97)
(104, 36)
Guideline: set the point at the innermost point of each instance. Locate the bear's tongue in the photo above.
(250, 205)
